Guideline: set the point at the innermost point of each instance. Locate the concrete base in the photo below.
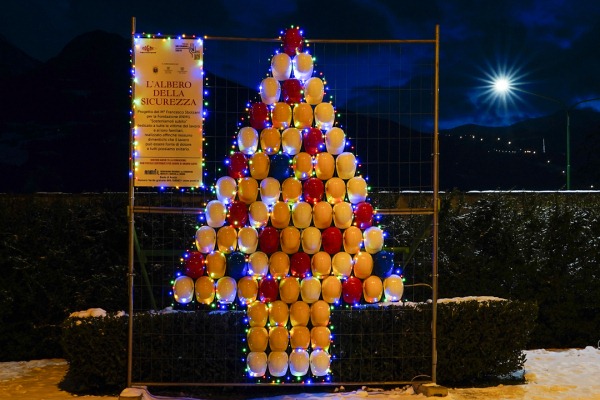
(431, 390)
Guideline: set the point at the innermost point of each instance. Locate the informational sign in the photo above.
(167, 112)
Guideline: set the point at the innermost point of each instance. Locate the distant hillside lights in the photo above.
(509, 143)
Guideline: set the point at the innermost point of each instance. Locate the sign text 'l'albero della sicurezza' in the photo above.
(167, 109)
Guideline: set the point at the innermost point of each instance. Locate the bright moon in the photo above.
(501, 85)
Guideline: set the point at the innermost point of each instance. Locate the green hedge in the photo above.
(476, 341)
(479, 341)
(61, 253)
(543, 248)
(96, 349)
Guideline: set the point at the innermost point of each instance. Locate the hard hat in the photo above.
(247, 190)
(291, 141)
(281, 116)
(341, 264)
(345, 165)
(226, 188)
(314, 90)
(247, 240)
(302, 65)
(259, 165)
(247, 140)
(205, 290)
(183, 289)
(270, 140)
(324, 116)
(226, 290)
(281, 66)
(226, 239)
(290, 239)
(322, 215)
(270, 90)
(321, 264)
(206, 238)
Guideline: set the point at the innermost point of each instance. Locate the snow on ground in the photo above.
(571, 374)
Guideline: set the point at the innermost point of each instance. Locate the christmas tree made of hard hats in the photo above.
(291, 234)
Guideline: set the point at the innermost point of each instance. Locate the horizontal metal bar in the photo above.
(405, 211)
(374, 41)
(278, 385)
(167, 210)
(200, 210)
(340, 41)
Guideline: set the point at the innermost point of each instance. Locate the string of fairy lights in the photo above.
(292, 234)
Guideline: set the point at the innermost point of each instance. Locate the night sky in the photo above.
(550, 46)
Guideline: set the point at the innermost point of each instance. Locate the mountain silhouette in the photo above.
(13, 61)
(65, 128)
(530, 154)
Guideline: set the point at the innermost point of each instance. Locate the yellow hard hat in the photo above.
(373, 238)
(247, 290)
(299, 313)
(291, 141)
(363, 265)
(372, 289)
(270, 140)
(257, 363)
(289, 239)
(299, 337)
(206, 238)
(335, 141)
(247, 190)
(302, 65)
(280, 215)
(345, 165)
(353, 238)
(247, 240)
(325, 166)
(310, 289)
(258, 313)
(281, 115)
(341, 264)
(278, 363)
(258, 338)
(303, 115)
(302, 164)
(331, 289)
(289, 289)
(322, 215)
(279, 264)
(320, 264)
(279, 313)
(278, 338)
(319, 313)
(227, 239)
(259, 165)
(357, 189)
(314, 91)
(335, 190)
(281, 66)
(342, 215)
(311, 240)
(324, 116)
(247, 140)
(205, 290)
(291, 190)
(226, 290)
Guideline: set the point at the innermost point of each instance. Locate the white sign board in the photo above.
(167, 112)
